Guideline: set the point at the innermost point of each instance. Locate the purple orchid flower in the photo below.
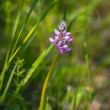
(61, 37)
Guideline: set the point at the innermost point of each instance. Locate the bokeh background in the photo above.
(77, 75)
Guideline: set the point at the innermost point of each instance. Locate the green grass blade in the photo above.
(33, 6)
(30, 40)
(33, 68)
(4, 69)
(38, 22)
(71, 22)
(77, 90)
(17, 19)
(30, 11)
(8, 83)
(41, 18)
(86, 54)
(13, 54)
(13, 34)
(65, 15)
(87, 62)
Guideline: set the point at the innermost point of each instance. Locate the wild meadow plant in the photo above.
(16, 49)
(71, 87)
(60, 40)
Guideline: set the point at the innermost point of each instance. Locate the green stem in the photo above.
(87, 65)
(45, 83)
(7, 86)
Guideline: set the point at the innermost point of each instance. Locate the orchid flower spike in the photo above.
(61, 37)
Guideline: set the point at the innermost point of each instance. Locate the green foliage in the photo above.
(79, 79)
(33, 68)
(8, 83)
(19, 70)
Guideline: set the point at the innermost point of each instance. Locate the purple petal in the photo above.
(67, 37)
(64, 32)
(56, 37)
(59, 44)
(61, 37)
(52, 40)
(68, 34)
(61, 51)
(62, 25)
(56, 32)
(69, 40)
(67, 48)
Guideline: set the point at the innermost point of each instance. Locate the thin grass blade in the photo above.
(30, 11)
(8, 83)
(13, 54)
(17, 20)
(33, 68)
(4, 69)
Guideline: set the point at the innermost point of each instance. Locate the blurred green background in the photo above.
(76, 76)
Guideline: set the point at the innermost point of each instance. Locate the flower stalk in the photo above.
(46, 81)
(61, 37)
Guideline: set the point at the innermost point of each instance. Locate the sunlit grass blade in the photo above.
(38, 22)
(30, 40)
(6, 66)
(19, 35)
(13, 34)
(33, 68)
(4, 69)
(8, 83)
(41, 18)
(13, 54)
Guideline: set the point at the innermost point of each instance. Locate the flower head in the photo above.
(61, 37)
